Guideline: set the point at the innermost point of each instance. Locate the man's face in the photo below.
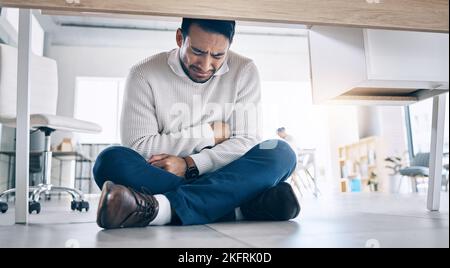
(202, 53)
(282, 134)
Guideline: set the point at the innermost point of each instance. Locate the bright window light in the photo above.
(99, 100)
(421, 116)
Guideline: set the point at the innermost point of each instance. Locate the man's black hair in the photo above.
(224, 27)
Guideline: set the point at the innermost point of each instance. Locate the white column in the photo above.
(368, 121)
(23, 116)
(436, 150)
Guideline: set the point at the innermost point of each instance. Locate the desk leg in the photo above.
(9, 184)
(76, 173)
(60, 176)
(90, 177)
(436, 151)
(23, 116)
(80, 183)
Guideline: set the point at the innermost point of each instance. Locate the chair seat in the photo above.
(56, 122)
(414, 171)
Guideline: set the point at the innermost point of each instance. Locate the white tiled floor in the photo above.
(339, 220)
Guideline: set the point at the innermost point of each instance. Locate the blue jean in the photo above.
(211, 197)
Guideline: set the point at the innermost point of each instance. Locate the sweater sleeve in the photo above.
(245, 125)
(139, 126)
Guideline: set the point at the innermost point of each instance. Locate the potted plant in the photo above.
(394, 164)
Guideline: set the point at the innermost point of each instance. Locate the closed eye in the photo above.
(197, 51)
(218, 56)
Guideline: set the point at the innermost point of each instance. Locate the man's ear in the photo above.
(179, 37)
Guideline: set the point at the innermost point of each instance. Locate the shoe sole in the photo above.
(103, 201)
(294, 198)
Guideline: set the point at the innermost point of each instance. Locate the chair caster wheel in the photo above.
(34, 206)
(83, 204)
(79, 205)
(3, 207)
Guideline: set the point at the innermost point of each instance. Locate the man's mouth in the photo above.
(200, 73)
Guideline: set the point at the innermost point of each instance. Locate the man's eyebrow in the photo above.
(218, 54)
(199, 50)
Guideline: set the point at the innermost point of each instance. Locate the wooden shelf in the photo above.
(359, 160)
(412, 15)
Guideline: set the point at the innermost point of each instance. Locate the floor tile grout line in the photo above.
(403, 216)
(229, 236)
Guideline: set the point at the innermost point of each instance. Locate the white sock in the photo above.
(164, 215)
(239, 215)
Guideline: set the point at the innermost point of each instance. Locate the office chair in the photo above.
(445, 177)
(305, 161)
(419, 168)
(43, 103)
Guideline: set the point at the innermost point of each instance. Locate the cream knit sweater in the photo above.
(166, 112)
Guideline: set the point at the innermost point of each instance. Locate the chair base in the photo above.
(46, 187)
(3, 207)
(78, 202)
(297, 181)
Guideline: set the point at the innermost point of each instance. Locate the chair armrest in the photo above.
(56, 122)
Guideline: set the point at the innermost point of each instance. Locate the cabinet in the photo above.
(362, 161)
(370, 66)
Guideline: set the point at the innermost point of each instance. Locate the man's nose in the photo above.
(205, 64)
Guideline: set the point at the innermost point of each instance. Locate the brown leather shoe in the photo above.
(121, 207)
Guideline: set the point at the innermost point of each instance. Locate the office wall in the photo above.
(343, 129)
(393, 130)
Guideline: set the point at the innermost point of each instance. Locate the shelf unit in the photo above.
(359, 161)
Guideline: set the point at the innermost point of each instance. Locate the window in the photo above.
(9, 26)
(289, 105)
(420, 118)
(99, 100)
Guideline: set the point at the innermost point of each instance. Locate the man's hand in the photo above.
(173, 164)
(221, 131)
